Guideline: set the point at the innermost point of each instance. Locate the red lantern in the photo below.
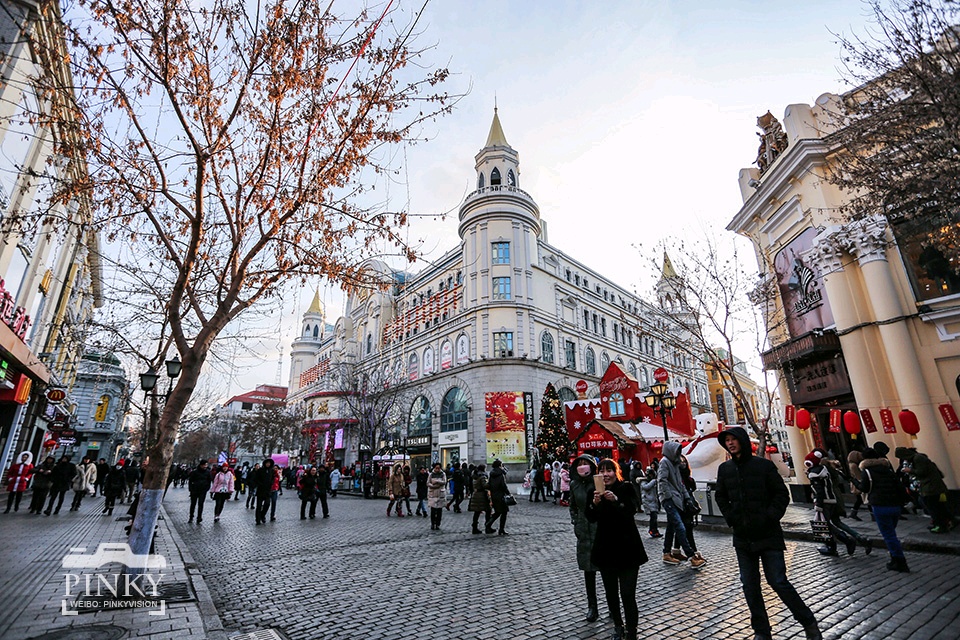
(851, 423)
(803, 419)
(909, 422)
(50, 444)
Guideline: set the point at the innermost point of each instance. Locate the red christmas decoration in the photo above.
(50, 444)
(851, 423)
(803, 419)
(909, 422)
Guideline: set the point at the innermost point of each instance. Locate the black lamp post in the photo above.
(148, 382)
(663, 402)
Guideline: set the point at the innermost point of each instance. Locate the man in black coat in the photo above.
(199, 484)
(753, 498)
(262, 482)
(63, 474)
(498, 497)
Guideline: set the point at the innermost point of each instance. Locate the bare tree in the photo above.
(901, 124)
(226, 143)
(369, 397)
(269, 428)
(708, 316)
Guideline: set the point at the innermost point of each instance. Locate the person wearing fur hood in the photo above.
(84, 482)
(18, 477)
(581, 484)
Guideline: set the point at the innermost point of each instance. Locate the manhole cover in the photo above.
(175, 592)
(260, 634)
(91, 632)
(168, 592)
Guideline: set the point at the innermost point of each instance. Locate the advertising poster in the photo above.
(428, 361)
(506, 427)
(446, 355)
(801, 287)
(463, 349)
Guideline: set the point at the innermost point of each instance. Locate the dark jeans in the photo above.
(323, 503)
(538, 494)
(39, 497)
(499, 513)
(219, 499)
(196, 503)
(590, 583)
(313, 507)
(670, 537)
(109, 500)
(456, 499)
(273, 504)
(436, 515)
(77, 499)
(620, 585)
(775, 571)
(887, 518)
(251, 498)
(476, 518)
(57, 495)
(263, 505)
(675, 522)
(653, 522)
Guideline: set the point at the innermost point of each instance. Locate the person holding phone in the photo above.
(618, 548)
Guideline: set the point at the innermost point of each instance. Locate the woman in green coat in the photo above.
(581, 484)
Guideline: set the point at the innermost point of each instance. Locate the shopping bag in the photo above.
(820, 527)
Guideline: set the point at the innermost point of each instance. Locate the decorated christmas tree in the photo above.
(553, 441)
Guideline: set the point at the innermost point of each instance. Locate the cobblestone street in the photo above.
(360, 574)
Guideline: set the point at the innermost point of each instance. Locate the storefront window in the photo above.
(420, 422)
(453, 410)
(931, 256)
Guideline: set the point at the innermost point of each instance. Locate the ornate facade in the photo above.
(471, 341)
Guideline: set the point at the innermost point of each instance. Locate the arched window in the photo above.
(590, 361)
(480, 182)
(413, 367)
(369, 343)
(632, 370)
(511, 178)
(453, 410)
(316, 331)
(644, 377)
(616, 404)
(421, 422)
(306, 330)
(604, 362)
(566, 394)
(495, 177)
(546, 348)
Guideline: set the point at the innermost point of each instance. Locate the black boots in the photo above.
(592, 614)
(630, 634)
(898, 564)
(619, 634)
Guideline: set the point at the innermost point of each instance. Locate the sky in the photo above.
(632, 120)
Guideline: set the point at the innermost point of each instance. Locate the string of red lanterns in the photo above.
(851, 422)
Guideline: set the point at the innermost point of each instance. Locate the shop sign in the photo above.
(949, 417)
(58, 425)
(416, 441)
(56, 395)
(801, 287)
(835, 420)
(597, 444)
(64, 442)
(528, 422)
(11, 315)
(581, 388)
(413, 368)
(868, 422)
(824, 379)
(338, 439)
(886, 419)
(4, 366)
(815, 430)
(617, 384)
(660, 374)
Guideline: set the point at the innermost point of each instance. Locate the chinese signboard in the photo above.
(868, 422)
(824, 379)
(886, 419)
(11, 315)
(949, 417)
(528, 422)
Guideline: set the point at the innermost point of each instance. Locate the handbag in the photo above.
(509, 500)
(820, 527)
(691, 506)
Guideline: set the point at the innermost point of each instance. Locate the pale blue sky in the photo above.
(626, 115)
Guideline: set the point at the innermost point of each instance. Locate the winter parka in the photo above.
(669, 481)
(223, 482)
(86, 477)
(583, 528)
(436, 490)
(618, 544)
(752, 497)
(925, 470)
(199, 481)
(64, 473)
(880, 483)
(648, 489)
(19, 474)
(479, 500)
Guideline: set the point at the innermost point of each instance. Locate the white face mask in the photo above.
(584, 470)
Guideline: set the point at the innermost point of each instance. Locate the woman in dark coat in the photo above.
(115, 485)
(42, 480)
(581, 484)
(309, 488)
(480, 498)
(618, 548)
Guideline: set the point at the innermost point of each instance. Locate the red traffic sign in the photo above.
(56, 395)
(660, 374)
(581, 386)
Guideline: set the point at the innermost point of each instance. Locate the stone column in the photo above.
(869, 240)
(828, 255)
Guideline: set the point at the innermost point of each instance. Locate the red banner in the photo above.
(949, 417)
(789, 414)
(815, 430)
(886, 419)
(835, 420)
(868, 422)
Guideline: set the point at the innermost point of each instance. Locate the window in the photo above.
(616, 331)
(570, 354)
(503, 344)
(480, 181)
(566, 394)
(546, 348)
(590, 362)
(616, 404)
(586, 319)
(595, 323)
(453, 410)
(632, 370)
(933, 272)
(576, 279)
(369, 343)
(604, 362)
(246, 406)
(420, 423)
(501, 253)
(569, 275)
(495, 177)
(511, 178)
(501, 288)
(603, 327)
(644, 377)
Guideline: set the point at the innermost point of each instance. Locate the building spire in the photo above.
(316, 306)
(496, 137)
(668, 270)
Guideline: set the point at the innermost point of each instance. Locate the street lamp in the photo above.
(663, 402)
(148, 382)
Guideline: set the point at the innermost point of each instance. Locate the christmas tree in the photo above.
(553, 441)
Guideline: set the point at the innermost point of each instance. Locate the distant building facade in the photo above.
(102, 396)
